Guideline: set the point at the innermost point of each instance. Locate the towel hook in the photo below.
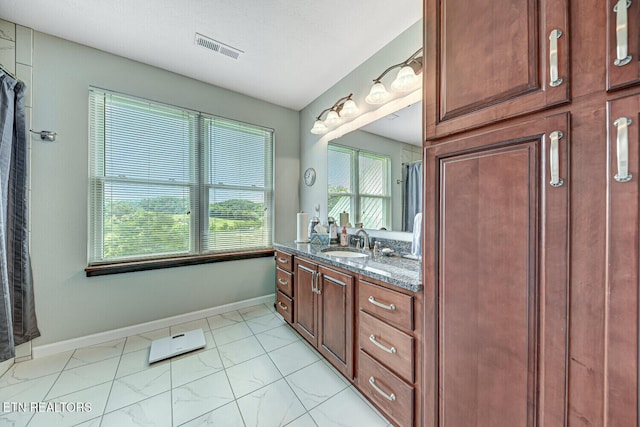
(45, 135)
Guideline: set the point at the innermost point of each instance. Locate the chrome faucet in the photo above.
(366, 238)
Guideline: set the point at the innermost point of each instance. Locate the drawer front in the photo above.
(387, 345)
(393, 307)
(284, 261)
(388, 391)
(284, 282)
(284, 306)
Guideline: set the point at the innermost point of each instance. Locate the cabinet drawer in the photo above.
(388, 391)
(393, 307)
(387, 344)
(284, 282)
(284, 306)
(284, 261)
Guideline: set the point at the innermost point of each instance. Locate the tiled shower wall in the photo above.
(16, 56)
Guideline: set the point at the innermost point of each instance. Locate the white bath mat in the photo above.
(164, 348)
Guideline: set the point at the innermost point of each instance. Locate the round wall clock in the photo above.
(310, 176)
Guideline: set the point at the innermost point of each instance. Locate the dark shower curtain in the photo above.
(18, 322)
(412, 203)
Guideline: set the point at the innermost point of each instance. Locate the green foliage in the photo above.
(160, 225)
(237, 209)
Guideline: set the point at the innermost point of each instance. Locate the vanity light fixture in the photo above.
(343, 108)
(407, 79)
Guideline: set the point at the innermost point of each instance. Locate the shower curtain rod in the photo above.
(411, 163)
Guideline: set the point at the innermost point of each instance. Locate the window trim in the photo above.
(155, 264)
(197, 254)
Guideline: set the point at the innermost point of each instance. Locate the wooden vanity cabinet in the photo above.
(496, 303)
(284, 285)
(623, 275)
(388, 357)
(324, 311)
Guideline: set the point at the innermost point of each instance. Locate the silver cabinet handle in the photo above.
(622, 146)
(282, 306)
(373, 339)
(554, 159)
(283, 260)
(282, 282)
(318, 277)
(390, 397)
(622, 33)
(315, 276)
(554, 79)
(389, 307)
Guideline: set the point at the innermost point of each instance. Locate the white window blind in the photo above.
(359, 182)
(167, 181)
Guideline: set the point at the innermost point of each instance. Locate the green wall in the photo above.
(69, 304)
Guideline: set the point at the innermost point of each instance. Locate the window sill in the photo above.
(128, 267)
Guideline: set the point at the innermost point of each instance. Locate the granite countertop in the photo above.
(398, 271)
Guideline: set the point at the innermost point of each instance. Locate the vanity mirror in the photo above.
(374, 173)
(360, 162)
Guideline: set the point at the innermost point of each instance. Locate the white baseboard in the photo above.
(72, 344)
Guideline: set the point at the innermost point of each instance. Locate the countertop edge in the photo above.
(391, 276)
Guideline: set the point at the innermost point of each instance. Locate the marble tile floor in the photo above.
(255, 371)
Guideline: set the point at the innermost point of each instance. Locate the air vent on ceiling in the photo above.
(392, 116)
(216, 46)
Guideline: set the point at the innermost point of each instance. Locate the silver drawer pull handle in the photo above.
(389, 307)
(554, 79)
(390, 397)
(282, 282)
(554, 159)
(622, 146)
(282, 306)
(283, 260)
(373, 339)
(622, 33)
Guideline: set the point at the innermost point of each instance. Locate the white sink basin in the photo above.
(345, 254)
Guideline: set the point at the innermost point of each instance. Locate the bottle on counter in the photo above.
(344, 237)
(376, 249)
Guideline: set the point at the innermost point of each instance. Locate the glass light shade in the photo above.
(406, 80)
(332, 119)
(378, 94)
(349, 108)
(319, 128)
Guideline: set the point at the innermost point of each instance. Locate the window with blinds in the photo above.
(168, 182)
(359, 183)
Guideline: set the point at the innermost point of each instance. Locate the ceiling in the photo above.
(293, 50)
(404, 125)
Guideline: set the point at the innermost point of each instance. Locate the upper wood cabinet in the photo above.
(623, 43)
(489, 60)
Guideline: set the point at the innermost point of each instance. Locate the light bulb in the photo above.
(319, 128)
(332, 119)
(349, 109)
(406, 80)
(378, 94)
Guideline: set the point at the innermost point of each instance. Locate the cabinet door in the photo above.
(489, 60)
(621, 333)
(305, 300)
(335, 319)
(496, 302)
(623, 44)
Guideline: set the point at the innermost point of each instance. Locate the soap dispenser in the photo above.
(344, 237)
